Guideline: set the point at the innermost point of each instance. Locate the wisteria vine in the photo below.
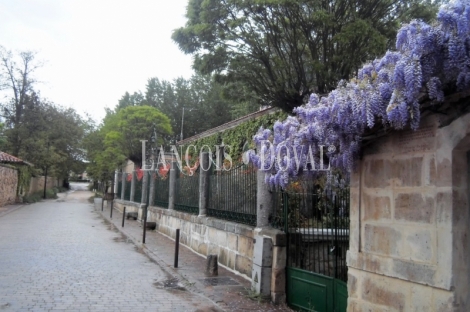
(428, 60)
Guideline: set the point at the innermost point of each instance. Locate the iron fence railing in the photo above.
(138, 187)
(162, 190)
(232, 195)
(127, 188)
(317, 226)
(187, 193)
(119, 185)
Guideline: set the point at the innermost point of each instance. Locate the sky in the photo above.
(93, 51)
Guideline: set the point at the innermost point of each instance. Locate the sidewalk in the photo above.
(229, 291)
(10, 208)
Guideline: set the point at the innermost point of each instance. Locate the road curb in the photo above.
(188, 284)
(4, 213)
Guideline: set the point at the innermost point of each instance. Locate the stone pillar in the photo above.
(262, 265)
(134, 177)
(268, 276)
(152, 188)
(174, 173)
(123, 181)
(204, 174)
(145, 183)
(116, 181)
(278, 274)
(264, 201)
(219, 157)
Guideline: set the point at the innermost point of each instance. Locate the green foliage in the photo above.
(16, 71)
(239, 139)
(283, 50)
(39, 195)
(207, 103)
(119, 138)
(131, 100)
(24, 178)
(51, 137)
(47, 135)
(3, 140)
(126, 129)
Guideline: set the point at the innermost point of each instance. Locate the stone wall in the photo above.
(37, 184)
(231, 242)
(8, 185)
(409, 246)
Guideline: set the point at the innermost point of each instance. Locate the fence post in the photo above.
(264, 201)
(204, 173)
(172, 187)
(123, 181)
(133, 186)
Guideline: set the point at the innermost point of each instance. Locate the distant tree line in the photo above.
(34, 129)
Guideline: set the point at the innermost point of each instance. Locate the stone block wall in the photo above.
(231, 242)
(37, 184)
(8, 185)
(409, 246)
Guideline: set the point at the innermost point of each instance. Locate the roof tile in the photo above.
(7, 158)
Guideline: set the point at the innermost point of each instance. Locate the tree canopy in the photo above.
(283, 50)
(43, 133)
(119, 138)
(391, 91)
(206, 102)
(3, 140)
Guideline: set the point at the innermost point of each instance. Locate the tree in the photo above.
(283, 49)
(103, 161)
(3, 140)
(131, 100)
(119, 138)
(16, 76)
(207, 103)
(45, 134)
(51, 137)
(391, 92)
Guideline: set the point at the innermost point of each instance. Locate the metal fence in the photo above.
(119, 185)
(187, 193)
(162, 190)
(138, 188)
(127, 189)
(317, 227)
(232, 195)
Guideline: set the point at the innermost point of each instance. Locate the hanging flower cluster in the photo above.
(428, 60)
(163, 170)
(139, 173)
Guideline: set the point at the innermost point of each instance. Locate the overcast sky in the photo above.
(96, 50)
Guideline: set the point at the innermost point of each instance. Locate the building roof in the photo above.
(228, 125)
(10, 159)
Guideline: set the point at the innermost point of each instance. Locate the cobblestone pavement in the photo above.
(59, 255)
(232, 296)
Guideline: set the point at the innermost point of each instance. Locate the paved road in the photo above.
(59, 255)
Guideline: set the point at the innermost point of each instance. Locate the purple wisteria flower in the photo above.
(428, 59)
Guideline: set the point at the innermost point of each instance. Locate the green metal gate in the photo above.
(317, 227)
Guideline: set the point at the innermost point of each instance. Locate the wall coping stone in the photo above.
(278, 237)
(223, 225)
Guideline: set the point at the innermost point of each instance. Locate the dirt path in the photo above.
(78, 193)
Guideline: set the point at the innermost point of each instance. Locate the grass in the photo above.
(91, 199)
(253, 295)
(38, 196)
